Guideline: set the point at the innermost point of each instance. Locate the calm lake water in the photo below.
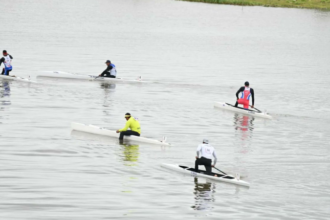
(196, 54)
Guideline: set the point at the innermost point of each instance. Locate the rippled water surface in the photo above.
(195, 54)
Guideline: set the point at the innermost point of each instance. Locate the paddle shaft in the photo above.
(220, 171)
(95, 78)
(255, 108)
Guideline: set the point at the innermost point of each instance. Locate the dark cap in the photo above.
(127, 115)
(4, 51)
(246, 83)
(108, 61)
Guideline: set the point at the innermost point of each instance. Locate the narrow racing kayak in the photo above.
(252, 112)
(201, 173)
(64, 75)
(106, 132)
(17, 78)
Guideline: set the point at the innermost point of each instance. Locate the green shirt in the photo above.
(133, 124)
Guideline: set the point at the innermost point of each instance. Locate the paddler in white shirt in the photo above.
(6, 60)
(205, 153)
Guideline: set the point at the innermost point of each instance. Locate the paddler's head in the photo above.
(108, 62)
(205, 141)
(247, 84)
(4, 52)
(127, 116)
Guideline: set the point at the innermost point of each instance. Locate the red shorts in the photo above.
(244, 102)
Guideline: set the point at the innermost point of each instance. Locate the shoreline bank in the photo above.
(307, 4)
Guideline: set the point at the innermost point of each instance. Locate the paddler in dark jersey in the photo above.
(110, 71)
(247, 93)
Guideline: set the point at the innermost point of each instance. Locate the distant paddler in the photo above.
(132, 124)
(110, 71)
(247, 93)
(6, 60)
(205, 153)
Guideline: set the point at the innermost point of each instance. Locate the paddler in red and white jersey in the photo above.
(247, 93)
(6, 60)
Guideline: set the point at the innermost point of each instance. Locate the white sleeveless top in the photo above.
(7, 62)
(113, 71)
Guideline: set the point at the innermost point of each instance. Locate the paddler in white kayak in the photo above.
(131, 123)
(205, 152)
(110, 71)
(6, 60)
(247, 93)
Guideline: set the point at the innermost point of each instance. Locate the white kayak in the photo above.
(64, 75)
(201, 173)
(106, 132)
(17, 78)
(252, 112)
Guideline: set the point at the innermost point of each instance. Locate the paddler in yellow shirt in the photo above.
(131, 123)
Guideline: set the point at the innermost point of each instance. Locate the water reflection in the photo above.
(204, 195)
(5, 89)
(244, 126)
(130, 153)
(108, 87)
(4, 92)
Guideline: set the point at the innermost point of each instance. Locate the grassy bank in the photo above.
(316, 4)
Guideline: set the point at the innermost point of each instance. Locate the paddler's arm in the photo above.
(125, 128)
(11, 57)
(106, 70)
(238, 91)
(2, 60)
(197, 151)
(215, 158)
(252, 95)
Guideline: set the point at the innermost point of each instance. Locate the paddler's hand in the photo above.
(212, 165)
(117, 131)
(196, 157)
(252, 106)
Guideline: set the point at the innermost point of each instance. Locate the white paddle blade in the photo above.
(164, 139)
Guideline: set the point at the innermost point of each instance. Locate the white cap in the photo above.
(205, 141)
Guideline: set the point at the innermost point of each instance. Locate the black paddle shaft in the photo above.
(244, 108)
(220, 171)
(255, 108)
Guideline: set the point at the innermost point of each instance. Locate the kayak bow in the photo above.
(254, 113)
(106, 132)
(17, 78)
(64, 75)
(219, 178)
